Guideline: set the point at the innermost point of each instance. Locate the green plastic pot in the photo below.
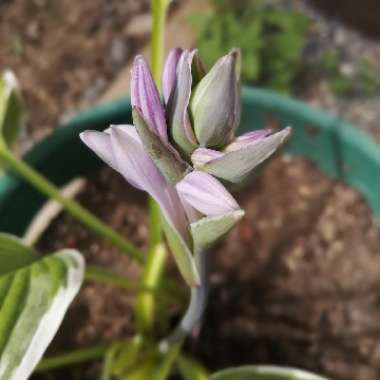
(339, 150)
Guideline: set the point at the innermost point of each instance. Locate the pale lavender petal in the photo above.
(100, 143)
(145, 96)
(192, 214)
(202, 156)
(206, 194)
(246, 139)
(138, 168)
(170, 72)
(235, 166)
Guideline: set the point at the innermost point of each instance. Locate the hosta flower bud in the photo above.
(177, 109)
(215, 103)
(241, 157)
(170, 72)
(175, 149)
(165, 157)
(145, 96)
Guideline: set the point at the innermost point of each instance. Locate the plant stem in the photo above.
(163, 371)
(155, 231)
(108, 361)
(104, 276)
(74, 357)
(159, 8)
(71, 206)
(194, 312)
(145, 306)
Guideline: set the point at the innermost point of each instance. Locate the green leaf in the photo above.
(144, 368)
(207, 231)
(264, 373)
(128, 356)
(11, 109)
(33, 302)
(14, 254)
(191, 369)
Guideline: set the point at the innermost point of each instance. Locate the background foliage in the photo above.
(271, 39)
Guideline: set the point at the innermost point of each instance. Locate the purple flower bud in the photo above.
(164, 155)
(145, 96)
(240, 157)
(170, 72)
(180, 126)
(215, 103)
(196, 208)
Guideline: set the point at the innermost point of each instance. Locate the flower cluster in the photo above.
(181, 146)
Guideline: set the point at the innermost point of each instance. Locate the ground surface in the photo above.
(294, 283)
(66, 53)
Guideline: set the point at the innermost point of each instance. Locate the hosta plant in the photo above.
(184, 150)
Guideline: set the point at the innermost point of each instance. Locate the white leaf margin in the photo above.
(52, 319)
(269, 370)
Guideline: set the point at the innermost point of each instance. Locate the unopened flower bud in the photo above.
(215, 103)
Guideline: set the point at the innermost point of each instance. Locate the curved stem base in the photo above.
(196, 308)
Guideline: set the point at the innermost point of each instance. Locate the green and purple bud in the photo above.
(145, 96)
(215, 103)
(169, 75)
(149, 120)
(238, 159)
(181, 129)
(180, 145)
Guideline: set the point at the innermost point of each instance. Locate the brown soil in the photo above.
(363, 17)
(66, 52)
(294, 284)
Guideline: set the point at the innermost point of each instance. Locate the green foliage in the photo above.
(190, 369)
(364, 80)
(14, 254)
(271, 39)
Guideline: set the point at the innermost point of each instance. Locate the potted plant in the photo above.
(195, 171)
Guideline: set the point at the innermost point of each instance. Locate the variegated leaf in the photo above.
(33, 302)
(264, 373)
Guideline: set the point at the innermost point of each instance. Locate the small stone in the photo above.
(328, 231)
(33, 31)
(139, 26)
(119, 51)
(305, 191)
(347, 69)
(340, 37)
